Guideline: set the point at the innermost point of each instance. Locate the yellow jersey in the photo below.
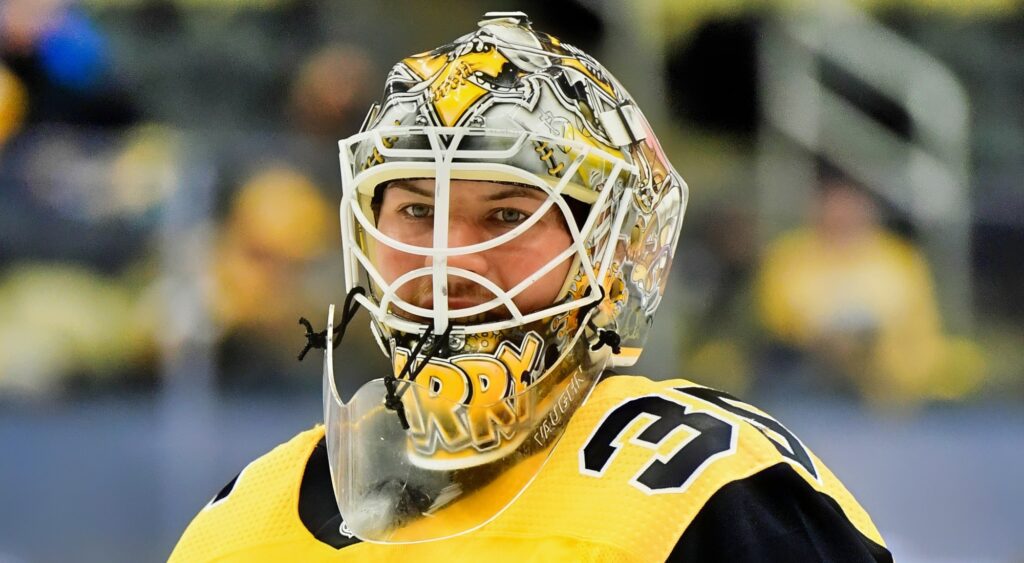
(646, 471)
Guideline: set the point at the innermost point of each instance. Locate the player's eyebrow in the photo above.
(508, 191)
(517, 191)
(405, 186)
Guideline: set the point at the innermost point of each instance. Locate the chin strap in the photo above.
(318, 340)
(393, 400)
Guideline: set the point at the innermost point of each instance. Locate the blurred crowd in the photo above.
(99, 172)
(115, 115)
(840, 305)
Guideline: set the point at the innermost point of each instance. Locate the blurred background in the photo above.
(851, 258)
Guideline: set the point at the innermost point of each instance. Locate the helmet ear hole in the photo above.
(580, 211)
(377, 200)
(551, 357)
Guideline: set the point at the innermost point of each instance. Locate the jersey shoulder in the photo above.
(256, 510)
(703, 439)
(743, 429)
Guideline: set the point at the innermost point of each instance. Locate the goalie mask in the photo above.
(508, 220)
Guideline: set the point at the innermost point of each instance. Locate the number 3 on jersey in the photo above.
(710, 437)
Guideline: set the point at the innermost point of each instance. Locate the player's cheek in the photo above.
(394, 263)
(532, 257)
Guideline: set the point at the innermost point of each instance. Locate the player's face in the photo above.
(478, 212)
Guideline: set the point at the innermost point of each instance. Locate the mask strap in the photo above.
(319, 339)
(393, 400)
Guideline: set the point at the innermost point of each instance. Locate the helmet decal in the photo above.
(490, 385)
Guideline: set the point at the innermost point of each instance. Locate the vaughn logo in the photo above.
(563, 407)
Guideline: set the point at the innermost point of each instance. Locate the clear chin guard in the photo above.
(462, 460)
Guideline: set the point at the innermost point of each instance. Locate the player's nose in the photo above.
(462, 234)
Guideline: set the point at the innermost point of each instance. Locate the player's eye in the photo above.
(417, 211)
(509, 216)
